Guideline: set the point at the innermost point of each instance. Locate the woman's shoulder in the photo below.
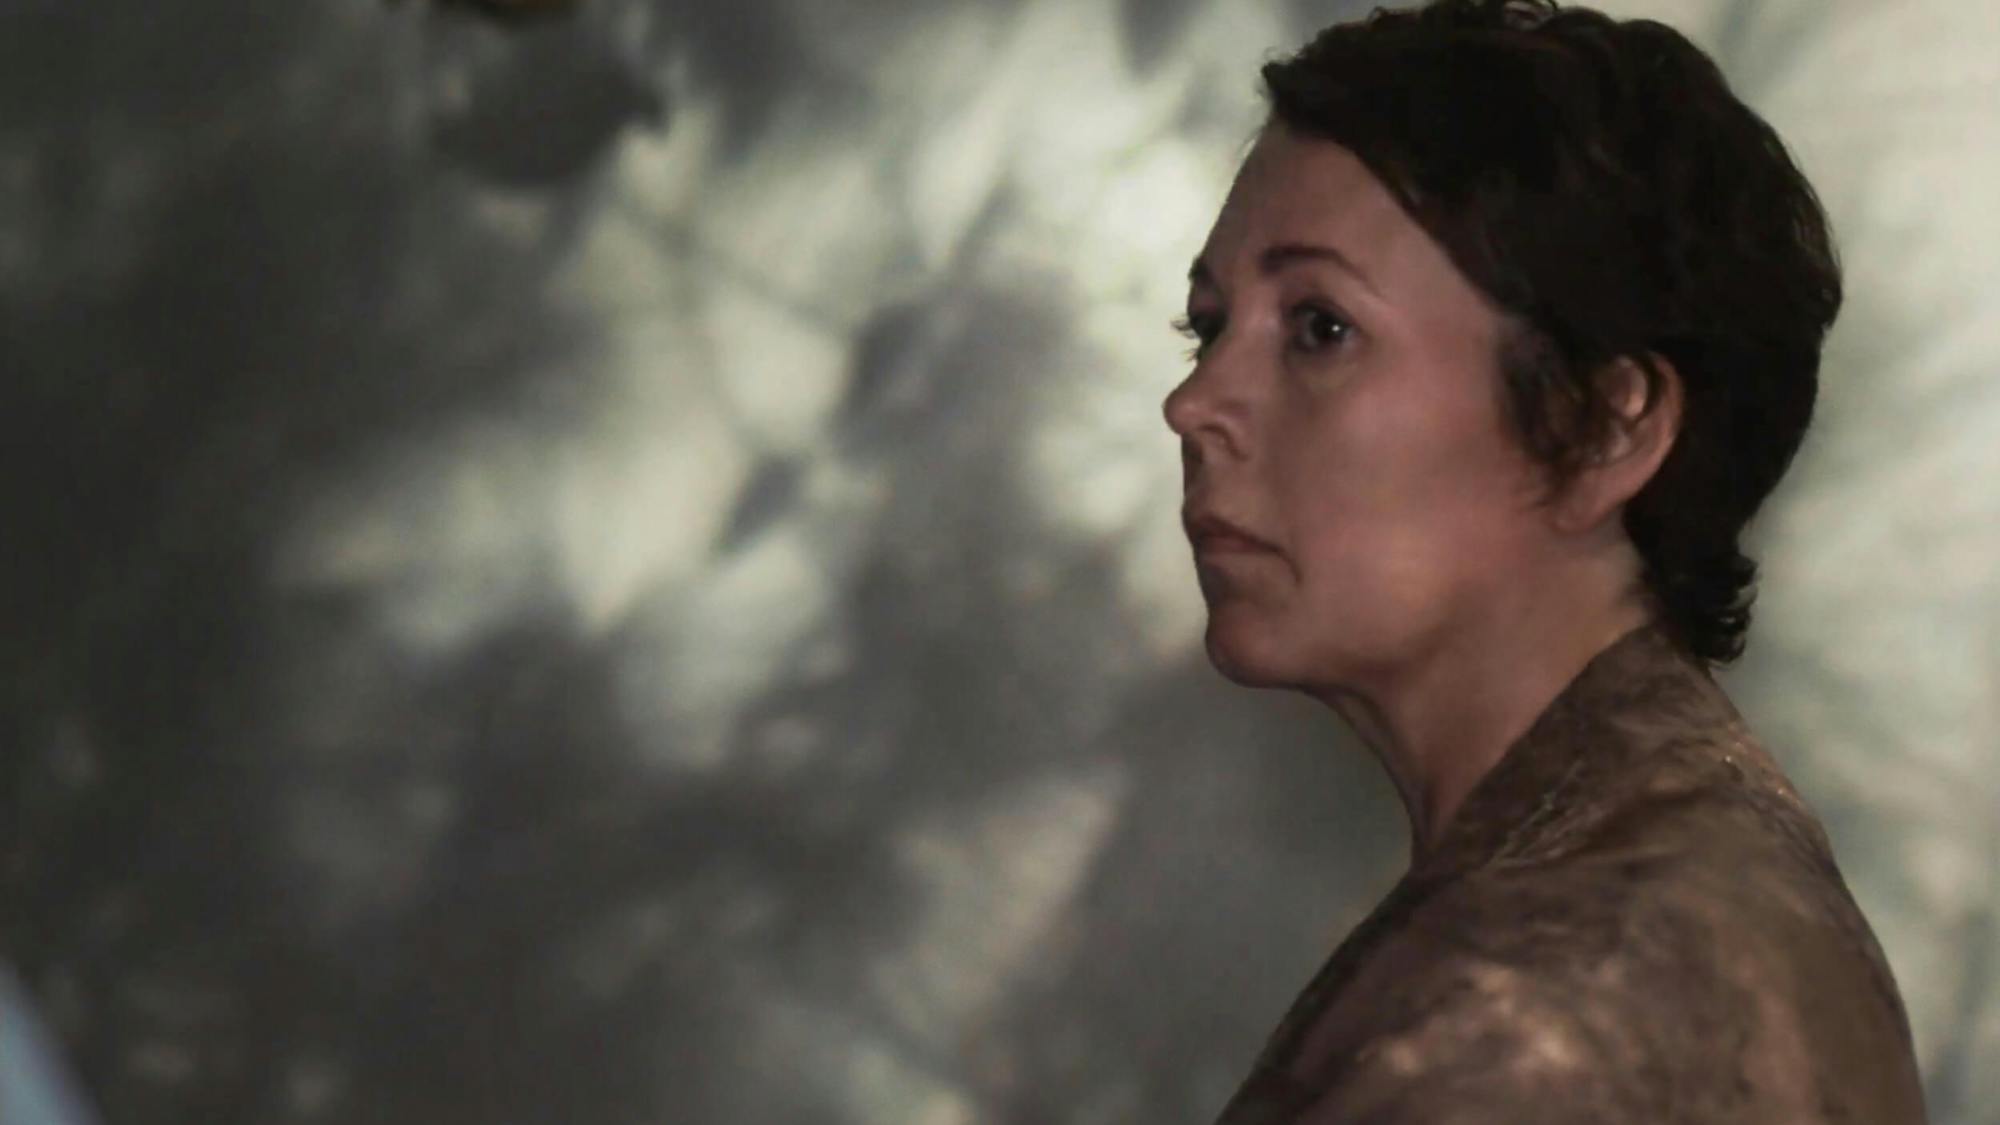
(1688, 943)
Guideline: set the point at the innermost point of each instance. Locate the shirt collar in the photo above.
(1608, 715)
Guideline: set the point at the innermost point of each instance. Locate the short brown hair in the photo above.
(1600, 182)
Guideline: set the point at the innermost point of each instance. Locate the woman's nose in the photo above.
(1209, 425)
(1176, 406)
(1190, 405)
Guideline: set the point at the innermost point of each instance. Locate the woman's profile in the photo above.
(1510, 322)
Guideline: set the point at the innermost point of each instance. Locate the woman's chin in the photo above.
(1241, 650)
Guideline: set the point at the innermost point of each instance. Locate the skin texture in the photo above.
(1347, 410)
(1617, 908)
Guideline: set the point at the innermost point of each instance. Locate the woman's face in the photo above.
(1345, 407)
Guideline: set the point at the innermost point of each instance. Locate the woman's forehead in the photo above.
(1294, 191)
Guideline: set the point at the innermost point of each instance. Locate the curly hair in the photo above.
(1598, 180)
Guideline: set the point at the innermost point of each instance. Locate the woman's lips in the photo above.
(1220, 543)
(1210, 532)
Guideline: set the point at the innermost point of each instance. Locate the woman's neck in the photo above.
(1441, 722)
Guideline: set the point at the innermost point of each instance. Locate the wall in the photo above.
(627, 568)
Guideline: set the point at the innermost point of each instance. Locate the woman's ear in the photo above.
(1643, 429)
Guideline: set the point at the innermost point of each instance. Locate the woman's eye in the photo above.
(1199, 327)
(1314, 328)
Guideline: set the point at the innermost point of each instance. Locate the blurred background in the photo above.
(624, 566)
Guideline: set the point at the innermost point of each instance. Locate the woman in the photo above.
(1510, 322)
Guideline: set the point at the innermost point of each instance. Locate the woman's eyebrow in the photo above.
(1277, 258)
(1285, 254)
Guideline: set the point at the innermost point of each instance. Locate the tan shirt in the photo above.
(1633, 918)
